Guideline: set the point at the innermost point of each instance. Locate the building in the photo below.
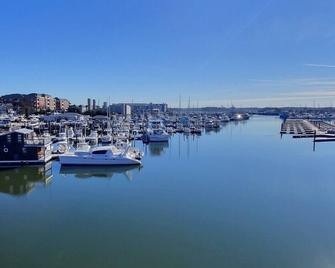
(82, 108)
(89, 105)
(94, 107)
(120, 108)
(148, 107)
(62, 104)
(105, 105)
(22, 147)
(34, 102)
(38, 102)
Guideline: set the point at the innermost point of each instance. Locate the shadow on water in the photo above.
(21, 180)
(86, 172)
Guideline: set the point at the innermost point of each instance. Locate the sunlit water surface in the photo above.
(240, 197)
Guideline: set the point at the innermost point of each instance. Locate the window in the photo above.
(100, 152)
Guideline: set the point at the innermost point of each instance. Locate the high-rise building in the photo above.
(94, 105)
(89, 106)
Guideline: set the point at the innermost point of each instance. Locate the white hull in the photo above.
(154, 138)
(75, 160)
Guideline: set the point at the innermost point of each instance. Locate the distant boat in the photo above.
(93, 137)
(225, 119)
(156, 135)
(61, 137)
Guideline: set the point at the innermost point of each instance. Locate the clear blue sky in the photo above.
(251, 53)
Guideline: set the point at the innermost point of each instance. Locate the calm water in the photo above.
(241, 197)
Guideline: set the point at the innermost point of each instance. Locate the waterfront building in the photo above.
(35, 102)
(148, 107)
(23, 147)
(62, 104)
(39, 102)
(82, 108)
(120, 108)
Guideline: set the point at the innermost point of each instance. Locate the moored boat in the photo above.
(101, 156)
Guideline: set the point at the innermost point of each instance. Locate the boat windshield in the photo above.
(100, 152)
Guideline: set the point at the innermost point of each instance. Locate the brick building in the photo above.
(62, 104)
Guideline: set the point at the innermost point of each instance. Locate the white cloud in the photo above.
(319, 65)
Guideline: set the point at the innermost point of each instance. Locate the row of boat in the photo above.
(80, 140)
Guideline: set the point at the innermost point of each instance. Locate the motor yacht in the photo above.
(156, 135)
(101, 156)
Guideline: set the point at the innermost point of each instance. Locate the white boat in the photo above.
(70, 133)
(101, 156)
(209, 124)
(179, 128)
(225, 119)
(61, 137)
(122, 135)
(60, 147)
(156, 135)
(93, 137)
(195, 130)
(170, 130)
(187, 130)
(107, 138)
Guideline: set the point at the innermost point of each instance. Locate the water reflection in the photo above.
(212, 130)
(21, 180)
(84, 172)
(157, 148)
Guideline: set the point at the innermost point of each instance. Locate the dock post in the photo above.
(314, 140)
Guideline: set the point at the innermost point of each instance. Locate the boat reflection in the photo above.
(86, 172)
(22, 180)
(212, 130)
(157, 148)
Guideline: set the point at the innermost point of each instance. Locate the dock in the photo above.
(318, 130)
(301, 128)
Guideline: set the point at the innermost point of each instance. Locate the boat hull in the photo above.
(74, 160)
(156, 138)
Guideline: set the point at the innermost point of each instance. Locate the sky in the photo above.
(213, 52)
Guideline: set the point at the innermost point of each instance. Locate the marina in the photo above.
(100, 140)
(196, 201)
(167, 134)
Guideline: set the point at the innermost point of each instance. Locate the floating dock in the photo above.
(319, 130)
(299, 127)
